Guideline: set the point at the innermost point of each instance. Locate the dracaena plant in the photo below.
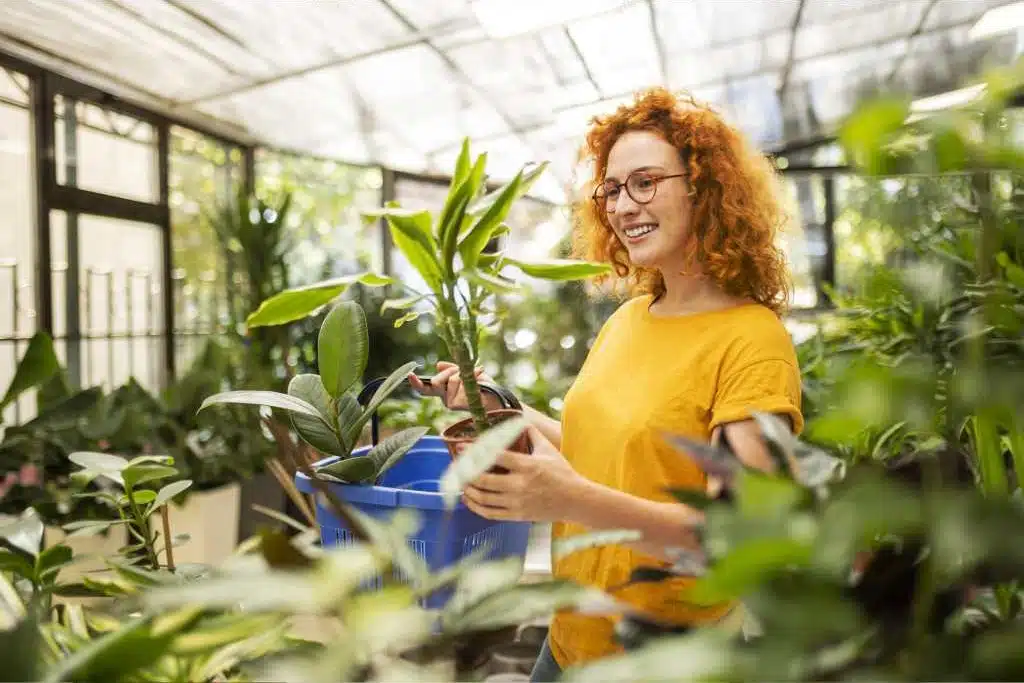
(324, 408)
(448, 249)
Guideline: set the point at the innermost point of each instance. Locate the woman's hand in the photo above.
(539, 487)
(447, 385)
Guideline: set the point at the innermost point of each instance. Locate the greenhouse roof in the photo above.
(401, 82)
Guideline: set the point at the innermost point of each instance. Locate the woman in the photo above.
(687, 212)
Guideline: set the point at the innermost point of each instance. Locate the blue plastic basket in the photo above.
(413, 483)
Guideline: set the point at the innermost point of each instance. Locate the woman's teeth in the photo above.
(640, 230)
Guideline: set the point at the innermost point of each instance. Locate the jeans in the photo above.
(546, 669)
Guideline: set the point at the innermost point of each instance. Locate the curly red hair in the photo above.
(737, 202)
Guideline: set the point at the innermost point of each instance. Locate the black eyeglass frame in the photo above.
(601, 201)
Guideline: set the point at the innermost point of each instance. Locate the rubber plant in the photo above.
(324, 408)
(449, 250)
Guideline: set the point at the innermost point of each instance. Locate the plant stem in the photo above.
(147, 533)
(167, 537)
(455, 340)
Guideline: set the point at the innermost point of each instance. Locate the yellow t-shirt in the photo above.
(646, 375)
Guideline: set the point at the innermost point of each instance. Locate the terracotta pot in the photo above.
(462, 433)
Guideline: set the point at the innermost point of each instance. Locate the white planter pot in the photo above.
(210, 518)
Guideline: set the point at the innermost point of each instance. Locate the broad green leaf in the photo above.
(386, 388)
(478, 457)
(518, 604)
(566, 546)
(391, 536)
(867, 132)
(167, 493)
(480, 581)
(412, 235)
(271, 399)
(350, 412)
(222, 630)
(480, 234)
(403, 303)
(390, 450)
(51, 560)
(98, 462)
(155, 459)
(17, 563)
(560, 269)
(24, 532)
(342, 348)
(130, 648)
(694, 498)
(352, 470)
(746, 567)
(300, 302)
(37, 366)
(140, 474)
(407, 318)
(451, 220)
(490, 282)
(317, 432)
(526, 182)
(140, 497)
(702, 655)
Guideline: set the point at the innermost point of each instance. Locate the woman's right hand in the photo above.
(447, 385)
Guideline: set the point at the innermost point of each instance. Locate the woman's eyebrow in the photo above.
(640, 168)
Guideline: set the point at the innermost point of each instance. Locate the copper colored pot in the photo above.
(459, 435)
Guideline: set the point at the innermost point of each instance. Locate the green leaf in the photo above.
(411, 233)
(167, 493)
(694, 498)
(390, 450)
(702, 655)
(407, 318)
(746, 567)
(140, 497)
(350, 412)
(867, 132)
(317, 432)
(271, 399)
(402, 304)
(490, 282)
(300, 302)
(478, 457)
(98, 462)
(386, 388)
(37, 366)
(560, 269)
(569, 545)
(24, 532)
(526, 182)
(51, 560)
(342, 348)
(16, 562)
(450, 223)
(108, 657)
(352, 470)
(140, 474)
(480, 234)
(518, 604)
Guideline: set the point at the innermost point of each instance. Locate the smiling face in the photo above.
(653, 223)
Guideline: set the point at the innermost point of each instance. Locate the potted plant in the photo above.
(449, 251)
(325, 408)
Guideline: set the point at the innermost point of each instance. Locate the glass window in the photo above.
(203, 173)
(120, 300)
(17, 238)
(104, 151)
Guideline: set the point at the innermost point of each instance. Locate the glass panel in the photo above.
(804, 242)
(120, 295)
(327, 233)
(202, 173)
(104, 151)
(17, 237)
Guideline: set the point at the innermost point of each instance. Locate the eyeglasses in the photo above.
(640, 186)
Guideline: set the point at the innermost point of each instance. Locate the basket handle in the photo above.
(507, 398)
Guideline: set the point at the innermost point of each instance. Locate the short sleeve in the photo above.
(767, 386)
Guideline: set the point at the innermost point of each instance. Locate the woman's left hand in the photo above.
(538, 487)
